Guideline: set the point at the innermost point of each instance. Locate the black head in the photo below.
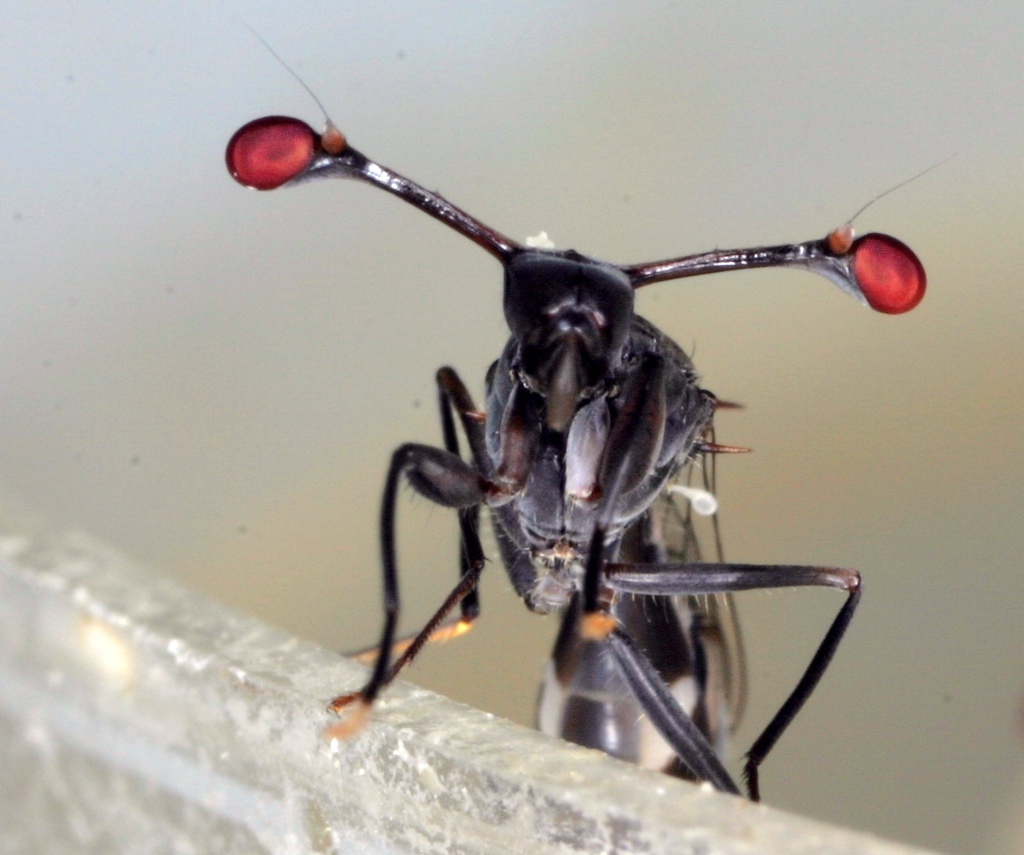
(571, 316)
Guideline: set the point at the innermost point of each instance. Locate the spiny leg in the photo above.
(665, 713)
(453, 396)
(683, 579)
(630, 452)
(633, 444)
(690, 637)
(446, 480)
(433, 630)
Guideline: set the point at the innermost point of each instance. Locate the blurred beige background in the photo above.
(213, 379)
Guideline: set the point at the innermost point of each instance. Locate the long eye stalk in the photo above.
(277, 150)
(877, 270)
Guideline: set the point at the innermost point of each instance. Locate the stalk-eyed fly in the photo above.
(591, 414)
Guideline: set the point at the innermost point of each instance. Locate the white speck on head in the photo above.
(540, 241)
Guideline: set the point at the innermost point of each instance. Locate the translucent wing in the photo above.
(691, 538)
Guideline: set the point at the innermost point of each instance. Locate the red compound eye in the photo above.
(891, 277)
(269, 152)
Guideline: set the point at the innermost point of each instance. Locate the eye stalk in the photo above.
(876, 270)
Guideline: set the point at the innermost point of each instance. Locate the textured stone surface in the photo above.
(137, 716)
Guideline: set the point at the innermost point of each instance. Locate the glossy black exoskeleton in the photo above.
(591, 412)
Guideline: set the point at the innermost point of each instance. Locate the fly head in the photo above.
(570, 316)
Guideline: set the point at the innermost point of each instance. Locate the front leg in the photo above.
(447, 480)
(628, 457)
(453, 396)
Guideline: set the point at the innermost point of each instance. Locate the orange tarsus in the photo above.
(352, 723)
(596, 626)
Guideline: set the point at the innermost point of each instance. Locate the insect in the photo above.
(590, 414)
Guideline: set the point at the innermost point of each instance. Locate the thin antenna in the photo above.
(902, 184)
(332, 139)
(840, 239)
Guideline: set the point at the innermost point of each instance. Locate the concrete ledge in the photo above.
(137, 716)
